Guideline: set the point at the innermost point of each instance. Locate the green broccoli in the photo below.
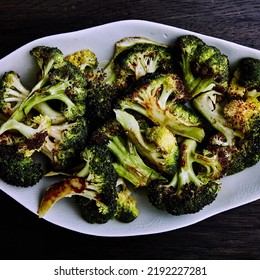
(134, 57)
(60, 82)
(157, 144)
(141, 59)
(12, 92)
(245, 81)
(155, 98)
(208, 104)
(203, 67)
(68, 85)
(127, 162)
(16, 168)
(195, 185)
(126, 210)
(85, 60)
(94, 183)
(47, 58)
(244, 115)
(64, 142)
(100, 102)
(35, 133)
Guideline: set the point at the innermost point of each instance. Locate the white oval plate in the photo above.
(237, 190)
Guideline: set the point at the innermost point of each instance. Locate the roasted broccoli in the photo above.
(134, 57)
(244, 115)
(47, 58)
(85, 60)
(35, 133)
(209, 105)
(12, 92)
(94, 183)
(245, 80)
(203, 67)
(17, 168)
(155, 99)
(126, 209)
(141, 59)
(127, 163)
(100, 102)
(157, 144)
(68, 85)
(64, 142)
(195, 185)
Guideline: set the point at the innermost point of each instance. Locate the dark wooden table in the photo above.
(234, 234)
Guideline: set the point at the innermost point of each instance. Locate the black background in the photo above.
(234, 234)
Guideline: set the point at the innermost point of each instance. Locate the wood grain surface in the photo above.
(234, 234)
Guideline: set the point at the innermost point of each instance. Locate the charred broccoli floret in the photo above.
(203, 67)
(245, 81)
(157, 144)
(64, 142)
(68, 85)
(155, 99)
(208, 104)
(47, 58)
(16, 168)
(195, 185)
(126, 210)
(94, 183)
(60, 81)
(84, 59)
(100, 102)
(127, 162)
(134, 57)
(35, 133)
(244, 115)
(12, 92)
(141, 59)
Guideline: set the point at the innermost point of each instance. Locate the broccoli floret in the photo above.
(100, 101)
(244, 115)
(84, 59)
(134, 57)
(64, 143)
(48, 58)
(16, 168)
(141, 59)
(127, 163)
(66, 84)
(60, 82)
(195, 185)
(207, 103)
(126, 210)
(154, 99)
(245, 81)
(157, 144)
(35, 133)
(95, 183)
(45, 109)
(203, 67)
(12, 92)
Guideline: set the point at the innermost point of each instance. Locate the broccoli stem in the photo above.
(166, 118)
(24, 129)
(206, 103)
(186, 173)
(56, 92)
(130, 166)
(44, 109)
